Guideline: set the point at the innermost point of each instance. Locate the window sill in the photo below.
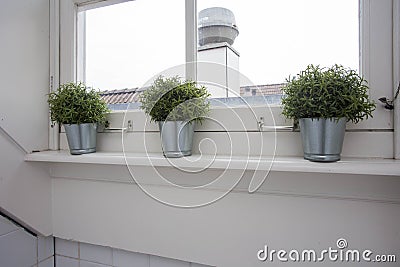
(356, 166)
(349, 179)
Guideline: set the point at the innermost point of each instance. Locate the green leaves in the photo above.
(333, 92)
(174, 100)
(74, 103)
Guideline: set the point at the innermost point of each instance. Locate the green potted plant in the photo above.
(79, 109)
(176, 106)
(323, 100)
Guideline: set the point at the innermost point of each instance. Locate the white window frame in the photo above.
(396, 75)
(373, 65)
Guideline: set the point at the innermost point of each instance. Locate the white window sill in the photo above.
(349, 179)
(357, 166)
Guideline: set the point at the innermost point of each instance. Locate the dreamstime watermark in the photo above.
(338, 254)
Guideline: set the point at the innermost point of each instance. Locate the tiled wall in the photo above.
(75, 254)
(19, 248)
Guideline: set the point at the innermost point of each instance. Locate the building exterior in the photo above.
(129, 98)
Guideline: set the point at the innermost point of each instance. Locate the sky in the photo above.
(128, 44)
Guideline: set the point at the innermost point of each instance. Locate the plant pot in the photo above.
(176, 138)
(322, 138)
(81, 138)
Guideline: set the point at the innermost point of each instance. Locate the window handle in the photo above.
(129, 128)
(389, 104)
(275, 128)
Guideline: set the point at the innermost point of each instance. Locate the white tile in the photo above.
(198, 265)
(18, 249)
(91, 264)
(66, 248)
(45, 247)
(66, 262)
(96, 253)
(6, 226)
(122, 258)
(47, 263)
(156, 261)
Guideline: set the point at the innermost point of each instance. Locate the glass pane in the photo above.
(129, 43)
(278, 38)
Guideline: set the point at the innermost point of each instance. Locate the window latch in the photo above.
(275, 128)
(389, 104)
(129, 128)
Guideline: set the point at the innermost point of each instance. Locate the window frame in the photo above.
(396, 76)
(65, 68)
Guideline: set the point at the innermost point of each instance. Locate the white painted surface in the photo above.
(24, 51)
(190, 40)
(240, 223)
(25, 190)
(54, 66)
(358, 166)
(218, 70)
(235, 131)
(233, 73)
(396, 75)
(377, 58)
(122, 216)
(376, 49)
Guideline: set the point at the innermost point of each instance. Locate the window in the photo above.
(276, 38)
(375, 44)
(126, 44)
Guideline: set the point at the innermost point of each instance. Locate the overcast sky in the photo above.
(129, 43)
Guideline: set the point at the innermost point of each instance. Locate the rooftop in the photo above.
(131, 95)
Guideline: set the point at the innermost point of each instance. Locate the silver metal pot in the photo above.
(176, 138)
(81, 138)
(322, 138)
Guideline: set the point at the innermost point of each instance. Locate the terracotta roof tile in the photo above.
(131, 95)
(120, 96)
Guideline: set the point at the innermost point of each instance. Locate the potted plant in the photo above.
(176, 106)
(79, 109)
(323, 100)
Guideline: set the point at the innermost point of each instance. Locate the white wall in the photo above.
(218, 69)
(25, 189)
(120, 215)
(230, 232)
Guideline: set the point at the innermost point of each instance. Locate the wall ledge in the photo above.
(357, 166)
(376, 180)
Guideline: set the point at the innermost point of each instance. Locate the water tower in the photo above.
(217, 31)
(217, 25)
